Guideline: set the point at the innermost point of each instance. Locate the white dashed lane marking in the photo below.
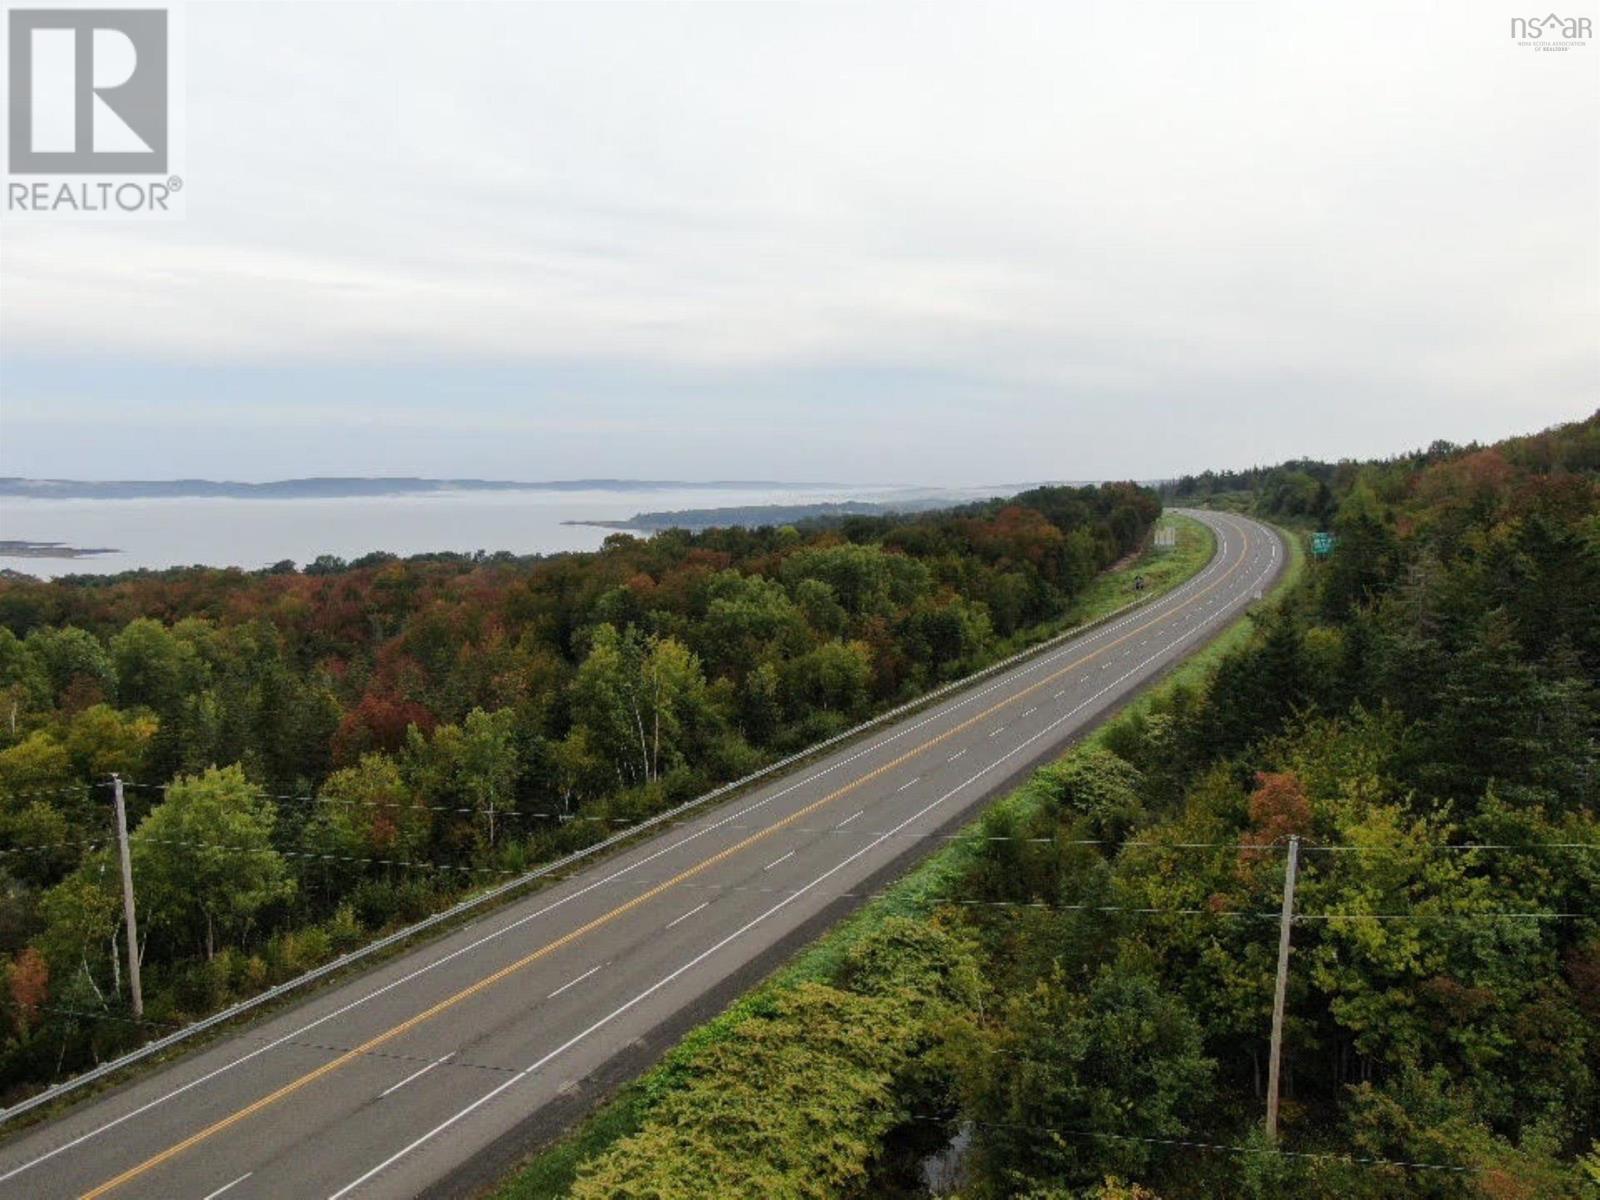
(578, 980)
(688, 914)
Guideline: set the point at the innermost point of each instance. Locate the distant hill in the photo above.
(342, 487)
(754, 516)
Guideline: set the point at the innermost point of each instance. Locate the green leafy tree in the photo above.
(836, 676)
(38, 763)
(24, 684)
(474, 764)
(77, 666)
(1123, 1059)
(155, 667)
(1103, 789)
(81, 917)
(103, 741)
(205, 862)
(367, 812)
(749, 619)
(823, 612)
(1362, 563)
(641, 700)
(860, 576)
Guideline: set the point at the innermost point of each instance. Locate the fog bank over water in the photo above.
(253, 533)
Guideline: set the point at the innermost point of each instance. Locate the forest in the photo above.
(313, 756)
(1074, 1000)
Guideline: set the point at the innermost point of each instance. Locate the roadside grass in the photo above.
(1162, 570)
(551, 1171)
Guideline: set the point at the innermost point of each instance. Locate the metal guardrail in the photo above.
(50, 1095)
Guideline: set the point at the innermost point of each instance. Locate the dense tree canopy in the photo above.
(1429, 688)
(1421, 711)
(314, 754)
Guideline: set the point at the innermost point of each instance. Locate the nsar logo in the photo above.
(1551, 32)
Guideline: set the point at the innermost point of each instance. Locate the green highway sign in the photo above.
(1322, 543)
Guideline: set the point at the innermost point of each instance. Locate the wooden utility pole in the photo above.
(1285, 921)
(127, 900)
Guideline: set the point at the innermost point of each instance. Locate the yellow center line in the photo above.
(706, 864)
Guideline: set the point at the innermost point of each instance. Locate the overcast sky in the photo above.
(964, 244)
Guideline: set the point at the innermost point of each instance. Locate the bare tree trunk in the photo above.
(89, 975)
(656, 764)
(644, 745)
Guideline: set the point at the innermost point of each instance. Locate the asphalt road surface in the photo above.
(430, 1071)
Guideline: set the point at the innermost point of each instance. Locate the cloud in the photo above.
(1133, 217)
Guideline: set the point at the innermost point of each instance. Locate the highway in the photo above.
(426, 1074)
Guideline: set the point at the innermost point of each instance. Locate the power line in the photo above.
(1452, 847)
(71, 789)
(866, 831)
(1138, 910)
(349, 858)
(391, 1056)
(450, 1061)
(1099, 1135)
(411, 807)
(463, 809)
(104, 1016)
(1221, 1147)
(869, 833)
(43, 846)
(1464, 916)
(955, 901)
(1138, 844)
(1109, 844)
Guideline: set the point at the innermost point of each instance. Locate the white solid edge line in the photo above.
(416, 1074)
(705, 954)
